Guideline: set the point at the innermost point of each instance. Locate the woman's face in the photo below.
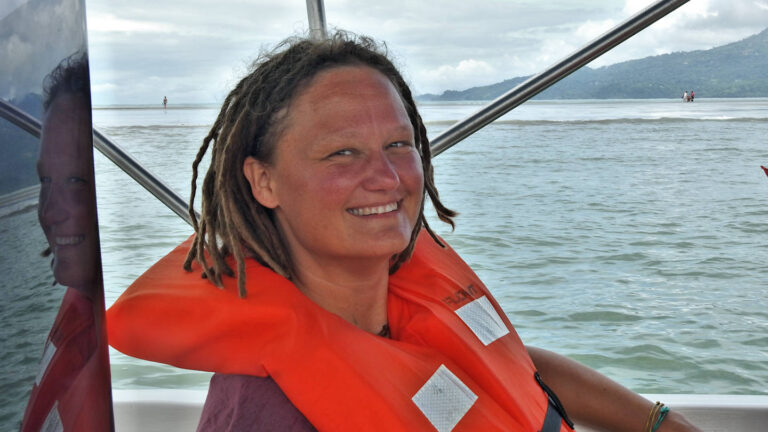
(346, 181)
(66, 207)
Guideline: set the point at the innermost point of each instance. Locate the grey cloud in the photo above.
(204, 45)
(34, 38)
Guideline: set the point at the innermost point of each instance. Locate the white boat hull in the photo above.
(179, 410)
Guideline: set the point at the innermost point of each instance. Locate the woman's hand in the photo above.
(592, 399)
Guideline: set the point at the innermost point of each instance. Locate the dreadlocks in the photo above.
(249, 124)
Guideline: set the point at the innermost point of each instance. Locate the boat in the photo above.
(178, 410)
(169, 410)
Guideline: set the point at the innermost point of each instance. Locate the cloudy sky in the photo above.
(194, 51)
(27, 54)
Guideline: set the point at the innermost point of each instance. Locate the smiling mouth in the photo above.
(68, 240)
(369, 211)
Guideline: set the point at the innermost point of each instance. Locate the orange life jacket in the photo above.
(71, 392)
(454, 362)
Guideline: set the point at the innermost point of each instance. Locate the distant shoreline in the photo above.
(217, 105)
(158, 106)
(733, 70)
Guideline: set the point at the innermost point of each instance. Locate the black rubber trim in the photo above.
(554, 404)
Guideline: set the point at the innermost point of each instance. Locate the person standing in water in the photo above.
(165, 102)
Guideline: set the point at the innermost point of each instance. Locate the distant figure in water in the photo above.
(165, 102)
(692, 95)
(685, 96)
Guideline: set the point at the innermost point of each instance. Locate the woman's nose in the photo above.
(53, 209)
(382, 173)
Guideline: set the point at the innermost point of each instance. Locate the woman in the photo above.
(349, 316)
(72, 387)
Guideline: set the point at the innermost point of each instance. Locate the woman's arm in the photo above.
(593, 400)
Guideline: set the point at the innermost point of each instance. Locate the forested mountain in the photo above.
(739, 69)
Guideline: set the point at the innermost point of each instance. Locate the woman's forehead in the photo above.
(341, 95)
(66, 128)
(346, 76)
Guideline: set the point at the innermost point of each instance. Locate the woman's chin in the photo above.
(389, 249)
(74, 274)
(80, 281)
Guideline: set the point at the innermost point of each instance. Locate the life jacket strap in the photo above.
(555, 411)
(552, 421)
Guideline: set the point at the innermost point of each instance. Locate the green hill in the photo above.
(734, 70)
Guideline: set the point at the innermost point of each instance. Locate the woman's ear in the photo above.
(259, 176)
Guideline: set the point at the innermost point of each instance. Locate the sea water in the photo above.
(629, 235)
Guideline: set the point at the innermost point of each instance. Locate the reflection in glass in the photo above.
(62, 296)
(66, 208)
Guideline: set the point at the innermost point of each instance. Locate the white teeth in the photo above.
(66, 241)
(367, 211)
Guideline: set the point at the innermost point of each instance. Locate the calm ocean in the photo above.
(631, 235)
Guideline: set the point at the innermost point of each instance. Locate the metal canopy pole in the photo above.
(20, 118)
(141, 175)
(316, 15)
(114, 153)
(553, 74)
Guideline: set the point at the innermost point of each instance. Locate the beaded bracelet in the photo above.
(657, 414)
(662, 413)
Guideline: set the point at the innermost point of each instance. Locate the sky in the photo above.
(27, 54)
(194, 51)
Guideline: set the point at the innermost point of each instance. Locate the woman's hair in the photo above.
(249, 124)
(70, 77)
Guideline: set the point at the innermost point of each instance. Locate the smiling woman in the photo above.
(345, 186)
(71, 391)
(335, 311)
(67, 210)
(267, 122)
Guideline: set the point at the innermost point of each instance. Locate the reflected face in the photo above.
(346, 180)
(66, 209)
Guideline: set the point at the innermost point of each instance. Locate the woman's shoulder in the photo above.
(244, 403)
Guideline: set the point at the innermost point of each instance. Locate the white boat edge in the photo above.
(166, 410)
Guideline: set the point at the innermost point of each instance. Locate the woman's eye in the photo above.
(45, 180)
(76, 180)
(400, 144)
(343, 152)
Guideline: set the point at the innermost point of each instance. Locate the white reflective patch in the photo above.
(444, 399)
(48, 352)
(52, 422)
(482, 318)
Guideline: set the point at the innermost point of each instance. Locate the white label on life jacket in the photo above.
(48, 352)
(482, 318)
(52, 421)
(444, 399)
